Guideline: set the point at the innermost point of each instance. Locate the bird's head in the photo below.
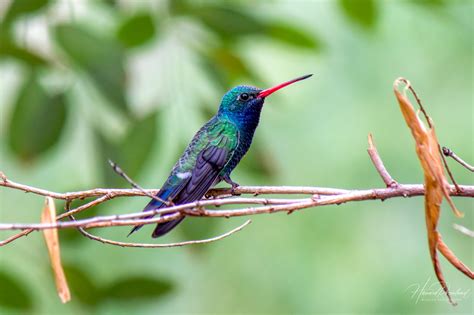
(243, 101)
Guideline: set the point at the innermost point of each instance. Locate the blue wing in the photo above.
(187, 185)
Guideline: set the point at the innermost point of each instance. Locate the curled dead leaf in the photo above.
(52, 242)
(436, 184)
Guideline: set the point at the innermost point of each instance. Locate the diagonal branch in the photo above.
(449, 153)
(122, 174)
(378, 163)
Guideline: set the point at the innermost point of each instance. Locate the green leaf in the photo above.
(108, 150)
(134, 288)
(99, 56)
(226, 67)
(21, 7)
(227, 21)
(14, 296)
(136, 30)
(291, 35)
(131, 152)
(138, 143)
(82, 285)
(37, 121)
(362, 12)
(8, 48)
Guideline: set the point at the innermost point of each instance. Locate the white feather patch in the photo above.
(183, 175)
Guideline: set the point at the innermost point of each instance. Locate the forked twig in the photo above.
(450, 153)
(378, 163)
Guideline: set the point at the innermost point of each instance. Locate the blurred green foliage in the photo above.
(100, 57)
(131, 289)
(136, 30)
(37, 120)
(86, 81)
(363, 12)
(134, 157)
(22, 7)
(14, 294)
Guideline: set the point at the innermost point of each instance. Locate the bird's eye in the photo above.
(244, 97)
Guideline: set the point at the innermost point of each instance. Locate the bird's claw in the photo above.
(233, 185)
(232, 189)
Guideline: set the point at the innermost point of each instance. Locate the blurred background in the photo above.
(83, 81)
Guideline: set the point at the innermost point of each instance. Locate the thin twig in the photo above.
(449, 153)
(14, 237)
(148, 245)
(378, 163)
(86, 206)
(464, 230)
(122, 174)
(445, 163)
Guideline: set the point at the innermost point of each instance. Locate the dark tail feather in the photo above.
(163, 228)
(152, 205)
(135, 228)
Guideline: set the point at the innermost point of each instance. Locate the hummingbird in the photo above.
(214, 151)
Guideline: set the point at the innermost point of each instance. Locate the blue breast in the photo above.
(247, 124)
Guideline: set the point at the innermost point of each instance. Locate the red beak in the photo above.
(271, 90)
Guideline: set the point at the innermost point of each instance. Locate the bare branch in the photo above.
(15, 237)
(196, 208)
(215, 192)
(122, 174)
(448, 152)
(379, 166)
(216, 202)
(447, 168)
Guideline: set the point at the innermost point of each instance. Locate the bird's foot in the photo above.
(232, 190)
(233, 184)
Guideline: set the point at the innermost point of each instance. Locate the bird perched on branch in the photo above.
(214, 152)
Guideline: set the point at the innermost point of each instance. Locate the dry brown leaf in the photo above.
(449, 255)
(52, 242)
(437, 187)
